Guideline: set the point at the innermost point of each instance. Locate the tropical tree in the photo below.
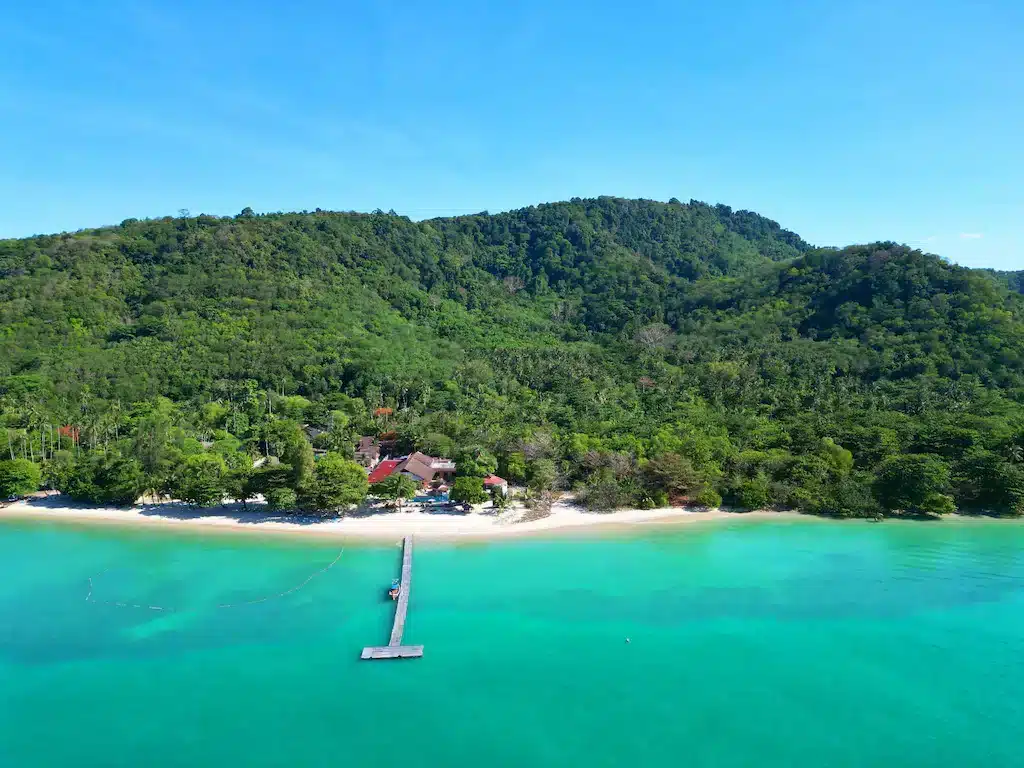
(753, 493)
(673, 475)
(200, 480)
(268, 480)
(19, 477)
(336, 483)
(914, 483)
(984, 480)
(106, 477)
(119, 478)
(475, 461)
(289, 443)
(603, 493)
(708, 497)
(437, 444)
(57, 471)
(513, 468)
(281, 499)
(396, 487)
(238, 479)
(541, 475)
(469, 490)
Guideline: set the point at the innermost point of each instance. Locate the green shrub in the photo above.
(19, 477)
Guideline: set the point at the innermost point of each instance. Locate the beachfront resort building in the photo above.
(425, 470)
(368, 451)
(494, 483)
(432, 475)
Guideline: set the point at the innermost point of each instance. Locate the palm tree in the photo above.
(397, 487)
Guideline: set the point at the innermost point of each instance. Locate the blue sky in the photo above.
(846, 122)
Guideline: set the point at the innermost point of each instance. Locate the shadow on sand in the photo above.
(253, 513)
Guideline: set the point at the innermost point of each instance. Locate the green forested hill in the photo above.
(315, 303)
(1015, 279)
(634, 351)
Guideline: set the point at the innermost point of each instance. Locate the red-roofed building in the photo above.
(384, 470)
(493, 481)
(425, 470)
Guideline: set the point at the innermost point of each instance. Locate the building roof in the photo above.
(368, 446)
(492, 480)
(420, 465)
(383, 470)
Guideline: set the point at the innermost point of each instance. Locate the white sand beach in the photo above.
(370, 524)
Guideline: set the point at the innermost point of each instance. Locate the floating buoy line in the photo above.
(90, 599)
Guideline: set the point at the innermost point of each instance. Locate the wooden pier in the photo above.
(395, 649)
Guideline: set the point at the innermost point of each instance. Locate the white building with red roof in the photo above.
(493, 481)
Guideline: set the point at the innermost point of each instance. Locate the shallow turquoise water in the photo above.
(752, 643)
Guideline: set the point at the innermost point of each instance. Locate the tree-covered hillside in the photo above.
(630, 350)
(1013, 278)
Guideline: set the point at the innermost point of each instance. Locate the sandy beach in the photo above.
(482, 524)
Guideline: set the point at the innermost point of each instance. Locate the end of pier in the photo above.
(395, 649)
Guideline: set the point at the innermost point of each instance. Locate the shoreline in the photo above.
(384, 526)
(485, 525)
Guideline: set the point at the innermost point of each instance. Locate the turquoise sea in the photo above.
(751, 644)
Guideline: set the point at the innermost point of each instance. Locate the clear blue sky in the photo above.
(846, 122)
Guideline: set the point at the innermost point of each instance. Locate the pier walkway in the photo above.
(394, 649)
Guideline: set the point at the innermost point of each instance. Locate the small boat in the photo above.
(396, 588)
